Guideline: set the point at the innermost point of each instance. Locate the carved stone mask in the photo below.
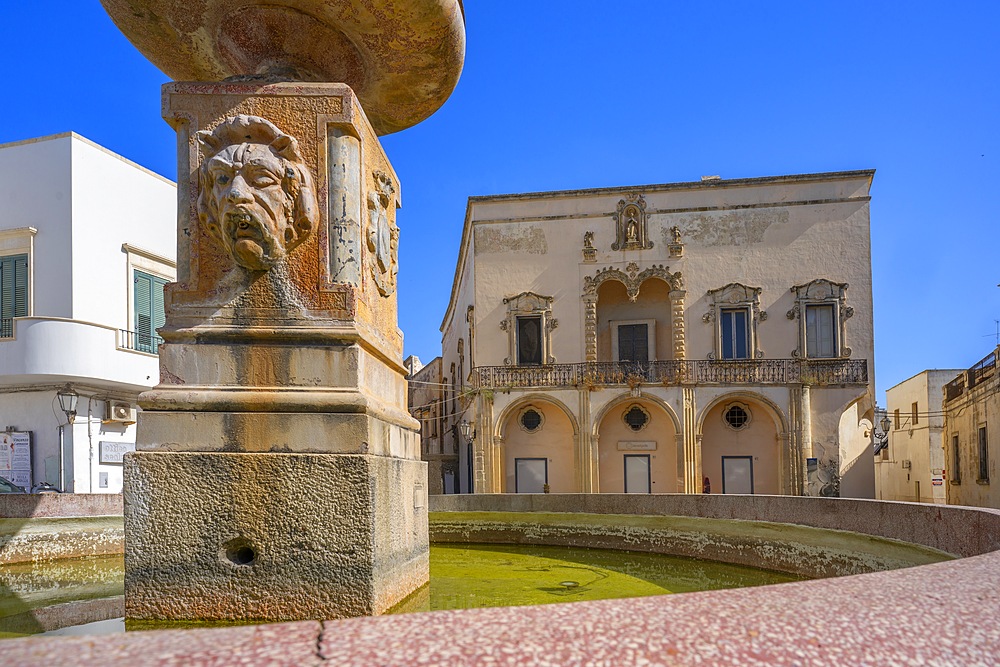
(256, 192)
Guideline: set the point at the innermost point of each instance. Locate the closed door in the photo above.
(530, 475)
(737, 474)
(637, 474)
(633, 343)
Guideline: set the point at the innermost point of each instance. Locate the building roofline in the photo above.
(956, 371)
(94, 144)
(645, 189)
(684, 185)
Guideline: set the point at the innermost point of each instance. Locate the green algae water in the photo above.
(467, 576)
(82, 593)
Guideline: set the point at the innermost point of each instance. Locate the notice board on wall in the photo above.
(15, 457)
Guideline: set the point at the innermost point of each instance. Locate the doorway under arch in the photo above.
(637, 448)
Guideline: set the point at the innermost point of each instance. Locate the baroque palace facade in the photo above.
(689, 337)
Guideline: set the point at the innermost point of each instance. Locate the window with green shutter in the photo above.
(13, 292)
(148, 306)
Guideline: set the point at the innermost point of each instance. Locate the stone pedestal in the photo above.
(277, 472)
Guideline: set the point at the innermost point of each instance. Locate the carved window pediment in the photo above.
(735, 311)
(822, 311)
(529, 324)
(632, 279)
(632, 232)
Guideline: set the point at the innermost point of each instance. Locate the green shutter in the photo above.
(149, 315)
(13, 291)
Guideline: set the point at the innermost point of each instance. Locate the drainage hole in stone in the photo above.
(240, 554)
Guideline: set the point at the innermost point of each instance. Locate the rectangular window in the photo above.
(821, 340)
(148, 307)
(984, 456)
(956, 460)
(735, 333)
(529, 341)
(633, 342)
(14, 292)
(895, 418)
(913, 414)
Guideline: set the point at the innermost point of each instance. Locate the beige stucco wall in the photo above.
(771, 234)
(977, 406)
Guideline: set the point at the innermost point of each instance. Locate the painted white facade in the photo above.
(912, 467)
(673, 261)
(87, 219)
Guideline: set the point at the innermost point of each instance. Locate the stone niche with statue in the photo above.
(277, 474)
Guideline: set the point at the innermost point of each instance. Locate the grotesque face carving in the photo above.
(256, 193)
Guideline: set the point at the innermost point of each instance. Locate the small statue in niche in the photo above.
(256, 193)
(631, 228)
(675, 234)
(588, 240)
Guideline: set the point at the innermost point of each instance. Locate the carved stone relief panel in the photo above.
(383, 234)
(632, 232)
(256, 193)
(735, 300)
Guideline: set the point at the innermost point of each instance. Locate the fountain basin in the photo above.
(934, 612)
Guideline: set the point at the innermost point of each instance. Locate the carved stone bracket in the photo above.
(631, 229)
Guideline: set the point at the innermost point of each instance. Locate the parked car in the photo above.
(6, 486)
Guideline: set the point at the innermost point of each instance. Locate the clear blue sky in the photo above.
(577, 94)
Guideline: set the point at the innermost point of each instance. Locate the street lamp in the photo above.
(67, 402)
(466, 429)
(882, 436)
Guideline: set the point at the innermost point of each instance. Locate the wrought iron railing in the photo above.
(982, 370)
(747, 372)
(7, 327)
(141, 342)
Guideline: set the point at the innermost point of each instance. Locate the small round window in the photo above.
(737, 416)
(531, 420)
(636, 418)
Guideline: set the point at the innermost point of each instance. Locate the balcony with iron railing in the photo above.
(678, 372)
(975, 376)
(139, 342)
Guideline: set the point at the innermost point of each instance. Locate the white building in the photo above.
(87, 241)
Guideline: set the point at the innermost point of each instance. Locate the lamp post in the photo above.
(67, 402)
(880, 431)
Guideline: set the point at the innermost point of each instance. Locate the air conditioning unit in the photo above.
(906, 464)
(119, 412)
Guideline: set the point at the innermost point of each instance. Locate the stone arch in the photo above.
(632, 279)
(761, 448)
(555, 441)
(654, 448)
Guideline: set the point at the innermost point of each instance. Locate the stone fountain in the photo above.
(277, 474)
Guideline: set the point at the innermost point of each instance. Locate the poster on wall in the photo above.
(15, 457)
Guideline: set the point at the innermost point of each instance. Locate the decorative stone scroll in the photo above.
(383, 235)
(632, 232)
(256, 194)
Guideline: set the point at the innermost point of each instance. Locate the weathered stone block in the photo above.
(218, 536)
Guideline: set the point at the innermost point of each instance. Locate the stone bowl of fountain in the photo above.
(402, 58)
